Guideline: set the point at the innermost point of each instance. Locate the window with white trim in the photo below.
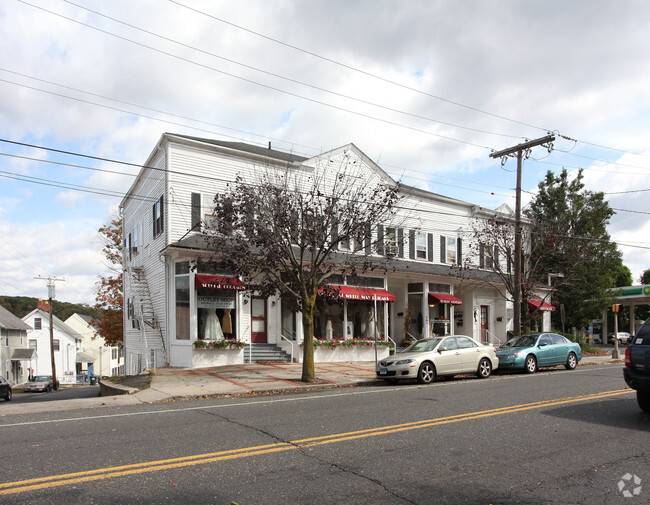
(421, 246)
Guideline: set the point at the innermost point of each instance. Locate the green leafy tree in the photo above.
(109, 299)
(569, 233)
(289, 231)
(645, 277)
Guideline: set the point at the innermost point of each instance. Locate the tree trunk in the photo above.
(308, 342)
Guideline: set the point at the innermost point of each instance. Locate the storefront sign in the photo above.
(217, 302)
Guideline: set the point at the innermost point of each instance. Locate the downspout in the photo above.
(162, 257)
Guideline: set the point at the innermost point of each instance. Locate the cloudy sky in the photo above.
(425, 88)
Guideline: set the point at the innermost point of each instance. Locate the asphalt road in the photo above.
(553, 437)
(63, 393)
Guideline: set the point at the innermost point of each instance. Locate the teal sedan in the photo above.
(530, 352)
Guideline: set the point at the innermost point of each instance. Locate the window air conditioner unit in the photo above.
(390, 250)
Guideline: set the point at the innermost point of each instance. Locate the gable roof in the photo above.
(60, 325)
(248, 148)
(10, 321)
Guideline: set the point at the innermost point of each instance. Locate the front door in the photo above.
(484, 323)
(258, 320)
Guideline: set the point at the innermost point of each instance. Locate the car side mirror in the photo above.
(542, 344)
(443, 348)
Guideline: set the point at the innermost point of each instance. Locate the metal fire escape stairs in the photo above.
(150, 330)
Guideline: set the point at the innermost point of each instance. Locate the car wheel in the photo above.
(643, 399)
(571, 362)
(531, 364)
(484, 369)
(9, 396)
(391, 381)
(48, 389)
(426, 373)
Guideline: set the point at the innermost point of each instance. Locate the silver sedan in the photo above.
(426, 359)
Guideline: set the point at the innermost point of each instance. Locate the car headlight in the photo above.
(404, 361)
(514, 355)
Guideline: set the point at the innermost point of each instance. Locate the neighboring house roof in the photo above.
(83, 357)
(11, 321)
(84, 317)
(58, 324)
(22, 354)
(248, 148)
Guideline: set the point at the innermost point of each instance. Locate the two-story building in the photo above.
(107, 360)
(173, 297)
(69, 360)
(15, 355)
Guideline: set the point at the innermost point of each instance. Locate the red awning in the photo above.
(218, 282)
(365, 294)
(444, 298)
(537, 304)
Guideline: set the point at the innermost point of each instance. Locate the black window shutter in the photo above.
(400, 242)
(380, 239)
(162, 214)
(443, 249)
(412, 244)
(368, 240)
(430, 246)
(481, 256)
(335, 232)
(459, 251)
(153, 219)
(196, 211)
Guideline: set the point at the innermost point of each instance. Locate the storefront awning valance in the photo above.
(537, 304)
(218, 282)
(359, 293)
(444, 298)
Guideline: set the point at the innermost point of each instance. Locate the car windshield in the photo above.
(41, 378)
(523, 341)
(425, 345)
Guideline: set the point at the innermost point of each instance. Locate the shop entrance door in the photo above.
(258, 320)
(484, 323)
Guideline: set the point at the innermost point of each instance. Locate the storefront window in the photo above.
(217, 315)
(439, 318)
(329, 321)
(182, 307)
(415, 312)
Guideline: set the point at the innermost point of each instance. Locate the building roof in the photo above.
(22, 354)
(12, 322)
(249, 148)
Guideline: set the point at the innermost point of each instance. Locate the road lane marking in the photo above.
(200, 459)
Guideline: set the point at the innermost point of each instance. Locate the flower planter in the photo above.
(202, 358)
(364, 353)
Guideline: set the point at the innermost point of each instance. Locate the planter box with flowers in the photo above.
(207, 353)
(356, 349)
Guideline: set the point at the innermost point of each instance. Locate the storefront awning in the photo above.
(537, 304)
(218, 282)
(364, 294)
(444, 298)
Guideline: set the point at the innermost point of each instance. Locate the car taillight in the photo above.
(628, 358)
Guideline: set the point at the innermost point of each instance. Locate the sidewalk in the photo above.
(263, 377)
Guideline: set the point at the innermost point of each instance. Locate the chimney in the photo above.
(43, 305)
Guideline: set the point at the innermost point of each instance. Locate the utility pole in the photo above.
(50, 295)
(520, 150)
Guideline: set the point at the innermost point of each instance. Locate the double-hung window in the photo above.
(421, 246)
(158, 217)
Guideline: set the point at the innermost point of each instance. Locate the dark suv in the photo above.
(637, 366)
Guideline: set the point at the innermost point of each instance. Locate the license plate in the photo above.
(383, 371)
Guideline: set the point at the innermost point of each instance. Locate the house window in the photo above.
(421, 246)
(448, 250)
(158, 217)
(33, 343)
(56, 344)
(135, 240)
(113, 353)
(196, 211)
(127, 245)
(37, 323)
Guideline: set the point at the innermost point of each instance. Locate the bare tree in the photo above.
(288, 231)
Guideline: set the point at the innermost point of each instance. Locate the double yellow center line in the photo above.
(201, 459)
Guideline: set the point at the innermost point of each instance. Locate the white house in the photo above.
(108, 360)
(68, 357)
(172, 297)
(15, 355)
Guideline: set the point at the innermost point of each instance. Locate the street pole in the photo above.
(50, 296)
(519, 149)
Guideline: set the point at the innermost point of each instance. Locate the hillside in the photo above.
(20, 306)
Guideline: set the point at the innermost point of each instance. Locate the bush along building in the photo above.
(180, 303)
